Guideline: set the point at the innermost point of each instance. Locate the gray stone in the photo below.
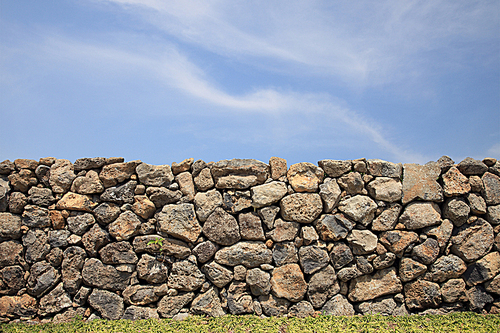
(388, 219)
(36, 244)
(360, 208)
(268, 214)
(473, 240)
(81, 296)
(55, 257)
(470, 166)
(258, 281)
(352, 183)
(205, 251)
(333, 227)
(42, 172)
(59, 238)
(313, 258)
(384, 306)
(239, 173)
(284, 231)
(154, 175)
(330, 194)
(386, 189)
(42, 278)
(151, 269)
(348, 273)
(338, 306)
(72, 264)
(335, 168)
(207, 304)
(185, 276)
(118, 253)
(285, 253)
(217, 274)
(239, 301)
(446, 267)
(106, 213)
(362, 241)
(7, 167)
(248, 253)
(12, 253)
(13, 280)
(139, 295)
(267, 194)
(250, 226)
(236, 201)
(162, 196)
(36, 217)
(309, 235)
(302, 309)
(483, 270)
(120, 194)
(457, 211)
(80, 223)
(127, 225)
(301, 207)
(341, 255)
(41, 196)
(442, 233)
(179, 221)
(17, 202)
(493, 215)
(384, 260)
(169, 306)
(322, 286)
(96, 274)
(61, 176)
(476, 203)
(273, 306)
(491, 190)
(420, 215)
(478, 298)
(95, 239)
(55, 301)
(453, 291)
(221, 228)
(364, 265)
(206, 202)
(398, 241)
(108, 304)
(140, 313)
(419, 182)
(204, 181)
(380, 168)
(88, 163)
(10, 226)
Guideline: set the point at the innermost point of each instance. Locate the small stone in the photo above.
(221, 228)
(338, 306)
(74, 258)
(398, 241)
(493, 214)
(55, 301)
(308, 234)
(7, 167)
(284, 231)
(335, 168)
(364, 265)
(140, 313)
(493, 286)
(205, 251)
(352, 183)
(477, 204)
(362, 241)
(410, 269)
(185, 276)
(239, 301)
(123, 194)
(217, 274)
(250, 227)
(288, 282)
(420, 214)
(139, 295)
(470, 166)
(42, 278)
(305, 177)
(330, 194)
(427, 252)
(380, 168)
(183, 166)
(384, 307)
(236, 201)
(360, 208)
(384, 260)
(19, 306)
(267, 194)
(322, 286)
(22, 181)
(268, 214)
(161, 196)
(386, 189)
(88, 184)
(446, 267)
(118, 253)
(248, 253)
(388, 219)
(186, 184)
(341, 255)
(152, 270)
(455, 183)
(36, 244)
(301, 207)
(169, 306)
(204, 180)
(10, 226)
(240, 273)
(348, 273)
(278, 168)
(422, 294)
(58, 238)
(115, 173)
(313, 258)
(491, 190)
(17, 202)
(109, 305)
(478, 298)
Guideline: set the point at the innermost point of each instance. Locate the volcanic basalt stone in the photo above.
(473, 240)
(274, 306)
(420, 214)
(96, 274)
(118, 253)
(313, 258)
(335, 168)
(239, 173)
(330, 194)
(470, 166)
(367, 287)
(218, 274)
(455, 183)
(398, 241)
(248, 253)
(322, 286)
(109, 305)
(42, 278)
(360, 208)
(79, 223)
(10, 226)
(305, 177)
(386, 189)
(338, 306)
(352, 183)
(301, 207)
(491, 190)
(388, 219)
(139, 295)
(179, 221)
(422, 294)
(208, 304)
(222, 228)
(333, 227)
(288, 282)
(284, 231)
(170, 305)
(419, 182)
(446, 267)
(121, 194)
(267, 194)
(250, 226)
(341, 255)
(185, 276)
(285, 253)
(362, 241)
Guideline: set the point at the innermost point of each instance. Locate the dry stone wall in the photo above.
(104, 238)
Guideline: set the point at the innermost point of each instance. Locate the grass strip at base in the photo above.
(456, 322)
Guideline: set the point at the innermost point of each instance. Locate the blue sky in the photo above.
(161, 81)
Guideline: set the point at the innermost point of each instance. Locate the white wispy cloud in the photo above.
(360, 42)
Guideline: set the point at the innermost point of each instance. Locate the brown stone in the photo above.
(61, 176)
(185, 276)
(88, 184)
(388, 219)
(204, 181)
(380, 168)
(143, 207)
(442, 233)
(10, 226)
(284, 231)
(410, 269)
(420, 215)
(367, 287)
(18, 306)
(426, 252)
(301, 207)
(186, 185)
(305, 177)
(419, 182)
(250, 226)
(483, 270)
(239, 173)
(221, 228)
(397, 241)
(386, 189)
(139, 295)
(422, 294)
(22, 181)
(248, 253)
(335, 168)
(118, 253)
(73, 201)
(151, 269)
(338, 305)
(125, 226)
(179, 221)
(169, 306)
(267, 194)
(288, 282)
(96, 274)
(183, 166)
(455, 183)
(115, 173)
(362, 241)
(352, 183)
(445, 268)
(278, 168)
(453, 291)
(473, 240)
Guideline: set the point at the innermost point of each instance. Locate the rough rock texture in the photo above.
(455, 183)
(330, 194)
(420, 182)
(221, 228)
(179, 221)
(249, 254)
(333, 227)
(305, 177)
(301, 207)
(96, 274)
(473, 240)
(338, 306)
(360, 208)
(267, 194)
(239, 173)
(367, 287)
(288, 282)
(109, 305)
(420, 215)
(386, 189)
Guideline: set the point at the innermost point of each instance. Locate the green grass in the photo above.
(458, 322)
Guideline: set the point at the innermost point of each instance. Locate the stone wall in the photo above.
(104, 238)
